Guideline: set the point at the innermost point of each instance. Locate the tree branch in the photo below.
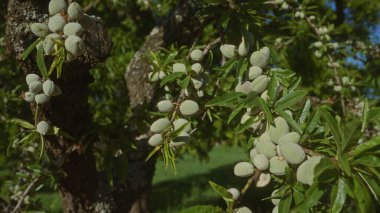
(24, 194)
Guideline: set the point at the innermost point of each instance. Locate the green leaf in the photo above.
(312, 196)
(362, 197)
(202, 209)
(156, 149)
(367, 161)
(290, 120)
(325, 171)
(224, 99)
(221, 191)
(305, 111)
(374, 142)
(22, 123)
(41, 62)
(272, 89)
(340, 197)
(263, 105)
(373, 185)
(284, 205)
(235, 112)
(185, 82)
(374, 114)
(171, 77)
(313, 121)
(242, 127)
(333, 125)
(365, 115)
(30, 48)
(290, 99)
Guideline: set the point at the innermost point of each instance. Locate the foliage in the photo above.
(333, 103)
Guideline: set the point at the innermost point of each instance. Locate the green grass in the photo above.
(189, 187)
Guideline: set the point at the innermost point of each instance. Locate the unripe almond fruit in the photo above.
(56, 91)
(228, 50)
(196, 55)
(181, 122)
(292, 152)
(74, 45)
(305, 172)
(29, 97)
(159, 125)
(266, 52)
(161, 74)
(264, 180)
(155, 140)
(75, 11)
(275, 201)
(267, 148)
(234, 192)
(41, 98)
(30, 78)
(279, 130)
(291, 137)
(244, 169)
(73, 28)
(260, 84)
(48, 87)
(197, 83)
(56, 23)
(275, 209)
(254, 72)
(243, 209)
(165, 106)
(265, 96)
(277, 166)
(179, 67)
(57, 6)
(153, 76)
(253, 153)
(243, 48)
(49, 43)
(43, 127)
(259, 59)
(39, 29)
(261, 162)
(189, 107)
(197, 68)
(87, 22)
(182, 138)
(246, 87)
(265, 137)
(35, 87)
(244, 118)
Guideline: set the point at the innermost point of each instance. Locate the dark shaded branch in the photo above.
(339, 5)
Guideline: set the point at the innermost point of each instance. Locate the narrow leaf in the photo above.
(226, 98)
(263, 105)
(340, 198)
(41, 62)
(290, 99)
(31, 47)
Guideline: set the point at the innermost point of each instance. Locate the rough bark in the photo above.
(180, 27)
(79, 184)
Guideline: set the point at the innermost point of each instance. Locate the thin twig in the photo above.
(24, 194)
(249, 183)
(210, 45)
(331, 62)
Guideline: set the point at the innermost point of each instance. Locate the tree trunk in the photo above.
(180, 27)
(78, 181)
(81, 186)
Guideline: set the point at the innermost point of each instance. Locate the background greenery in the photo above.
(129, 23)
